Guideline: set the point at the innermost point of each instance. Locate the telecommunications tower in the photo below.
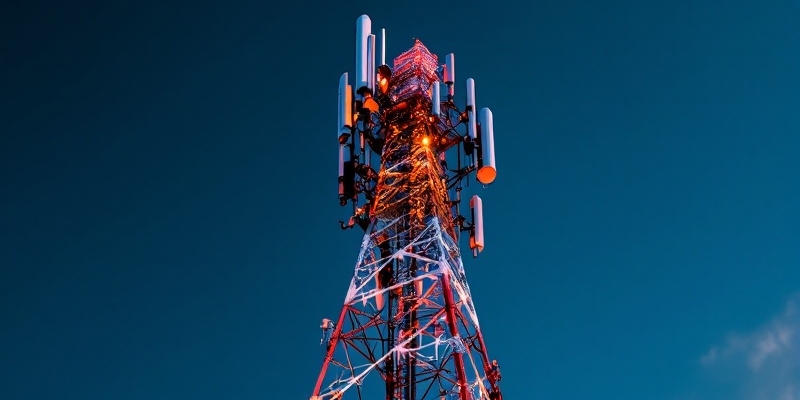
(408, 329)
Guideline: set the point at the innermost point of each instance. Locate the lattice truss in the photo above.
(403, 275)
(408, 329)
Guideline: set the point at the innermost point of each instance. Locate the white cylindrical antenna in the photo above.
(449, 69)
(450, 74)
(383, 46)
(340, 103)
(436, 99)
(363, 30)
(371, 69)
(487, 171)
(348, 107)
(471, 110)
(345, 122)
(345, 106)
(470, 93)
(476, 242)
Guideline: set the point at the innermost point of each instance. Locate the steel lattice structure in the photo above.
(408, 328)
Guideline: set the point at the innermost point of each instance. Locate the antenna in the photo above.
(476, 233)
(487, 170)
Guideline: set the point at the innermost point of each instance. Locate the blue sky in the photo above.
(168, 218)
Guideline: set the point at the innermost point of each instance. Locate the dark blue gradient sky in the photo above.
(168, 210)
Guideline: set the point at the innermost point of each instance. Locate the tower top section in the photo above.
(414, 72)
(406, 145)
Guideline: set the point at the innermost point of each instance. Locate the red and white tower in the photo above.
(408, 329)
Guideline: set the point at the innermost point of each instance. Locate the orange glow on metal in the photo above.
(371, 104)
(486, 175)
(383, 84)
(414, 182)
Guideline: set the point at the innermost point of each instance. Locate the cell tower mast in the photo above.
(408, 329)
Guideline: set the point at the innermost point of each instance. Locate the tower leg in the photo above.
(330, 348)
(451, 324)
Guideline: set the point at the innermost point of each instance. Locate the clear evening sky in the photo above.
(168, 206)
